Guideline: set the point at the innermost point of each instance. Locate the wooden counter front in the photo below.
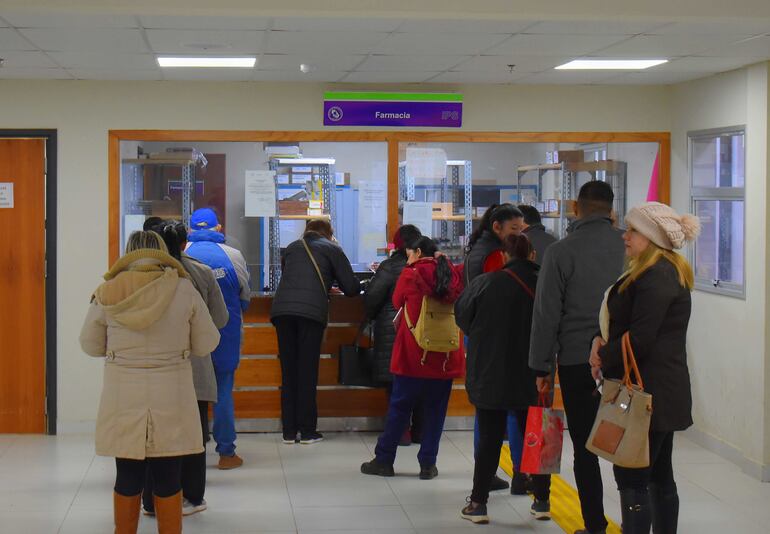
(258, 378)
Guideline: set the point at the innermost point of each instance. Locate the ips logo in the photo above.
(334, 114)
(450, 115)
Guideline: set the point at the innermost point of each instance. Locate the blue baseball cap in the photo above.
(204, 219)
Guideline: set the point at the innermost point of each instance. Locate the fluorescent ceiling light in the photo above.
(232, 62)
(611, 64)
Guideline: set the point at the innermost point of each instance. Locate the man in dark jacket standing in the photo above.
(540, 238)
(300, 313)
(575, 274)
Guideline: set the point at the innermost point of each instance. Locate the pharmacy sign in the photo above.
(437, 110)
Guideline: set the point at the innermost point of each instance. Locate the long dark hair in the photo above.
(174, 234)
(443, 270)
(495, 213)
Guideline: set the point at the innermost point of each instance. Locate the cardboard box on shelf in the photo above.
(293, 207)
(442, 209)
(568, 155)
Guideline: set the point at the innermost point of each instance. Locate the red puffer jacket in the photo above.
(416, 281)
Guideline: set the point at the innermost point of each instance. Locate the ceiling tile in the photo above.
(336, 24)
(243, 75)
(388, 77)
(105, 74)
(410, 63)
(321, 63)
(10, 40)
(721, 27)
(555, 77)
(303, 42)
(208, 42)
(465, 26)
(703, 64)
(204, 23)
(27, 60)
(87, 40)
(69, 20)
(522, 63)
(297, 76)
(38, 74)
(593, 27)
(757, 48)
(86, 60)
(438, 43)
(666, 45)
(477, 77)
(554, 45)
(656, 78)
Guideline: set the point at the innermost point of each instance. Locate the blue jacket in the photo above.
(232, 275)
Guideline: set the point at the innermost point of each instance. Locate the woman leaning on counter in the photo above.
(148, 319)
(652, 302)
(300, 310)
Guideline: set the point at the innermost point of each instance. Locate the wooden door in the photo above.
(22, 287)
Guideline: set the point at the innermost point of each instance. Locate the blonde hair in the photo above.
(652, 255)
(144, 240)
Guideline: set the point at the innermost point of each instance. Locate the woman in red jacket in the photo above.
(419, 378)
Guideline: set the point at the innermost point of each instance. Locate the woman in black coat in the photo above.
(495, 311)
(378, 303)
(652, 302)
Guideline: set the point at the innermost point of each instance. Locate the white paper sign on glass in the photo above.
(419, 214)
(259, 199)
(6, 195)
(426, 163)
(372, 217)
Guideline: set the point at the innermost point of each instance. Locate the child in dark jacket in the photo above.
(419, 377)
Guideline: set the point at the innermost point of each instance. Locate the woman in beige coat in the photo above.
(147, 319)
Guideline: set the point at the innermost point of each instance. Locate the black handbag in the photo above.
(357, 363)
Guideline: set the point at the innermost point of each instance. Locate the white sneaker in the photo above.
(189, 508)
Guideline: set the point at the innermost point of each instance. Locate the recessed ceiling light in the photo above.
(611, 64)
(232, 62)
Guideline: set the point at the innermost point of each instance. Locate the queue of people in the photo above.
(168, 321)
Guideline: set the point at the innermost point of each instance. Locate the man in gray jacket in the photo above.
(575, 274)
(535, 231)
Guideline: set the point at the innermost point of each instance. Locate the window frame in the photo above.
(701, 194)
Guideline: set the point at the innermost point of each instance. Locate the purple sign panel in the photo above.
(393, 113)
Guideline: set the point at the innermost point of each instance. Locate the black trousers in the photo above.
(660, 472)
(581, 402)
(299, 347)
(166, 474)
(492, 427)
(193, 476)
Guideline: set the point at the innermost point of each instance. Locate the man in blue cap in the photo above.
(207, 245)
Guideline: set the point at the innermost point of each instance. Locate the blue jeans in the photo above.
(429, 395)
(515, 439)
(224, 414)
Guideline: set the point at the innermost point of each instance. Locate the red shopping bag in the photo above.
(543, 439)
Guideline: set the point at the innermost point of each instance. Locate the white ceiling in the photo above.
(373, 50)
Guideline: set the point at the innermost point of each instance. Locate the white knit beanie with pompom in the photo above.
(662, 225)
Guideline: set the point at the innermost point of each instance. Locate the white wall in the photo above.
(83, 112)
(728, 342)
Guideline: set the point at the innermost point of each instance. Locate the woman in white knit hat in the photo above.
(652, 302)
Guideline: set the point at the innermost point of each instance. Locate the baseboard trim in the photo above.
(730, 453)
(343, 424)
(75, 427)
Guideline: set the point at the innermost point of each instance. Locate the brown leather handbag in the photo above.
(621, 432)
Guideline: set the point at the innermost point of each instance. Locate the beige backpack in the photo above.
(436, 329)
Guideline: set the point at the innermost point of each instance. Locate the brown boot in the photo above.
(230, 462)
(126, 512)
(168, 510)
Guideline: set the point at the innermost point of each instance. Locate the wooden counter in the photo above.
(257, 381)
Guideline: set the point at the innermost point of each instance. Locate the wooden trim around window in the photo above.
(393, 138)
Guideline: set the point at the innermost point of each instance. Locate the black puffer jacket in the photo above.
(495, 311)
(300, 293)
(487, 243)
(378, 301)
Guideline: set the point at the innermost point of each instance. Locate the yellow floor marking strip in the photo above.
(565, 504)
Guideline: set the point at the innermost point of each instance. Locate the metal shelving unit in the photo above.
(319, 167)
(132, 201)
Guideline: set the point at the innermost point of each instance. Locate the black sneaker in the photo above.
(309, 439)
(428, 472)
(521, 484)
(498, 484)
(475, 513)
(586, 531)
(290, 439)
(541, 510)
(377, 469)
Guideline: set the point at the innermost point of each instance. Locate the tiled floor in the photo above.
(56, 485)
